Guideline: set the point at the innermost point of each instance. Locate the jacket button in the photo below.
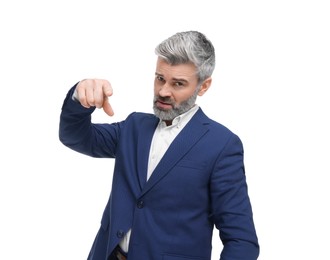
(120, 234)
(140, 204)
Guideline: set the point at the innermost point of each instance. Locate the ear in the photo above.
(205, 86)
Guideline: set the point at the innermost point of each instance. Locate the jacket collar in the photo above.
(188, 137)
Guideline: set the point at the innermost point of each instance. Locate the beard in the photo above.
(176, 110)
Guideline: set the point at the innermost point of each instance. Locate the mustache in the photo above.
(167, 100)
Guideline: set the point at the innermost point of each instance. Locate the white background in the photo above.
(270, 87)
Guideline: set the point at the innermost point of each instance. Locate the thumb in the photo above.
(107, 89)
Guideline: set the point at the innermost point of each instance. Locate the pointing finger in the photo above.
(107, 107)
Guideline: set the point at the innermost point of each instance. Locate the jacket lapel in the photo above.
(146, 133)
(187, 138)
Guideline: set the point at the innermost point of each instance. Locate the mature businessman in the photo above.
(177, 175)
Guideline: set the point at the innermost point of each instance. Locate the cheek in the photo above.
(156, 91)
(182, 96)
(156, 87)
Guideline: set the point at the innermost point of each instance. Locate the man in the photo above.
(177, 173)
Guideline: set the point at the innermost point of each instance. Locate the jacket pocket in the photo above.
(183, 257)
(191, 164)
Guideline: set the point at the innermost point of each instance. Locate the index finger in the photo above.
(107, 108)
(107, 91)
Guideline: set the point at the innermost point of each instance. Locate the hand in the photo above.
(95, 92)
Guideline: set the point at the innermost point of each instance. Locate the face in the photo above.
(176, 89)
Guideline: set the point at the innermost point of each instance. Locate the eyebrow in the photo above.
(175, 79)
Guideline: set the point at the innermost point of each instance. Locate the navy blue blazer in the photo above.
(198, 184)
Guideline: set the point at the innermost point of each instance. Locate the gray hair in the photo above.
(189, 47)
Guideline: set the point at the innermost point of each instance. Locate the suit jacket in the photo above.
(198, 184)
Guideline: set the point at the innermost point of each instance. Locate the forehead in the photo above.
(186, 71)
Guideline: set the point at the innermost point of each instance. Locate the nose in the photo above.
(164, 90)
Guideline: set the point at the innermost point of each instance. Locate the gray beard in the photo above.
(176, 110)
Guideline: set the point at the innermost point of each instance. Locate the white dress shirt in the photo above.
(162, 139)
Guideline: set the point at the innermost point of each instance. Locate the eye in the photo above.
(178, 84)
(160, 78)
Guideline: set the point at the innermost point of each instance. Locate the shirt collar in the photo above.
(181, 119)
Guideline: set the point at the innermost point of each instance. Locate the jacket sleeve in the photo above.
(231, 208)
(77, 132)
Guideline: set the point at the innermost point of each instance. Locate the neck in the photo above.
(168, 122)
